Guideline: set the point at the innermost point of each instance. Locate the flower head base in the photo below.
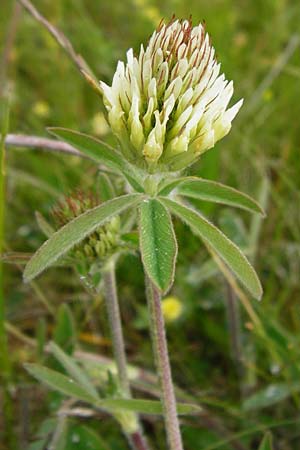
(169, 105)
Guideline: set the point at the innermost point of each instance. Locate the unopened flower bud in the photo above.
(103, 242)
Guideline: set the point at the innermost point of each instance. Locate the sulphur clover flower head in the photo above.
(103, 242)
(169, 104)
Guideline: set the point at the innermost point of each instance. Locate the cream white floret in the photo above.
(169, 104)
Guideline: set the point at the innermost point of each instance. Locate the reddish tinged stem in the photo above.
(21, 140)
(160, 350)
(137, 441)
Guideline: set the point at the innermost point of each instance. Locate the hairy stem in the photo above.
(130, 422)
(38, 142)
(160, 350)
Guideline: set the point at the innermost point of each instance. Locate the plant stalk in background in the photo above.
(130, 422)
(5, 364)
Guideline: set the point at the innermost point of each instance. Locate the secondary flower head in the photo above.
(102, 243)
(169, 104)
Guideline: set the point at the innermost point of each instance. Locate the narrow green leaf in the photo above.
(67, 386)
(147, 406)
(267, 442)
(212, 191)
(47, 427)
(226, 249)
(220, 193)
(157, 243)
(75, 231)
(43, 435)
(73, 369)
(98, 151)
(59, 438)
(58, 382)
(271, 395)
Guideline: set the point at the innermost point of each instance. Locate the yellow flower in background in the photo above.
(151, 12)
(168, 105)
(172, 308)
(268, 95)
(41, 109)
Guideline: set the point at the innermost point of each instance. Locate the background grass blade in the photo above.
(5, 360)
(267, 442)
(73, 369)
(76, 230)
(226, 249)
(157, 243)
(44, 226)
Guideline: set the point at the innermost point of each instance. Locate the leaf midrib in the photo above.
(153, 223)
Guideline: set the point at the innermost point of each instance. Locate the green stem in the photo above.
(5, 364)
(129, 421)
(114, 318)
(160, 350)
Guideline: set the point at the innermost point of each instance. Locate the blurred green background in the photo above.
(247, 379)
